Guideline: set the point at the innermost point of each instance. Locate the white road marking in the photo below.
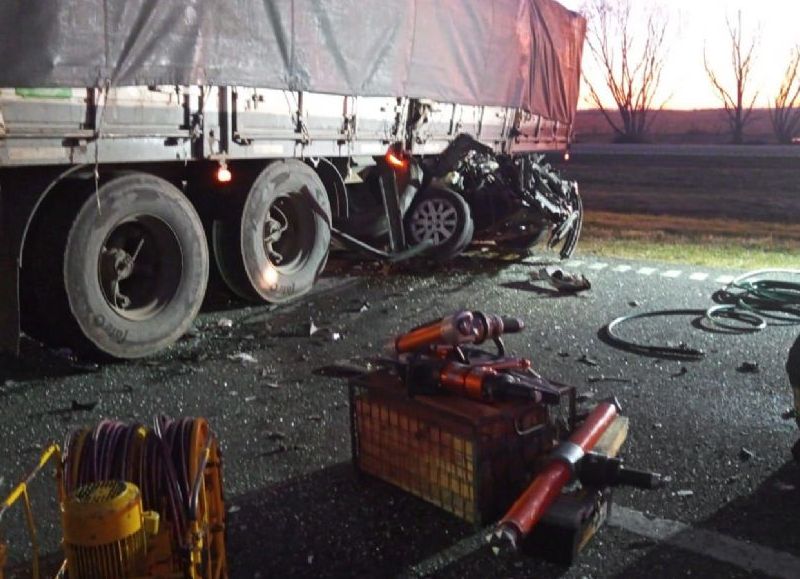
(725, 279)
(673, 273)
(598, 266)
(698, 276)
(575, 263)
(745, 555)
(622, 268)
(646, 270)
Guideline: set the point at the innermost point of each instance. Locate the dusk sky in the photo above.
(696, 23)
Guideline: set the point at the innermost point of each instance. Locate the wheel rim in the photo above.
(139, 267)
(435, 220)
(285, 244)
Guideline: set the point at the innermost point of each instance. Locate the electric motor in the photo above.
(104, 531)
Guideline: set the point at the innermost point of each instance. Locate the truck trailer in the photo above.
(144, 145)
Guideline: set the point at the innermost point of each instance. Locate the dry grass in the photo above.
(704, 242)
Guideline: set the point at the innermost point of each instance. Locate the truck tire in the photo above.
(226, 245)
(135, 269)
(442, 216)
(285, 231)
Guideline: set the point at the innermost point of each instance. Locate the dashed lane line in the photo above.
(598, 266)
(622, 268)
(646, 270)
(698, 276)
(725, 279)
(672, 273)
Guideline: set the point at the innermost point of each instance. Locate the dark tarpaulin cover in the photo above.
(517, 53)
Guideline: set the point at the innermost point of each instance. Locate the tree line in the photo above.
(631, 53)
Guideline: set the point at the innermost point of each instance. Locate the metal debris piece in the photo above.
(746, 454)
(234, 509)
(225, 323)
(601, 378)
(749, 368)
(364, 307)
(243, 357)
(562, 280)
(250, 398)
(684, 493)
(633, 304)
(273, 385)
(588, 361)
(84, 406)
(336, 336)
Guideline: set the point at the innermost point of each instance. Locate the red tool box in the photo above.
(469, 458)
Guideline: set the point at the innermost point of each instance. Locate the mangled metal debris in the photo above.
(562, 280)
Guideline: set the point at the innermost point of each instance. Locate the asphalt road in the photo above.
(298, 509)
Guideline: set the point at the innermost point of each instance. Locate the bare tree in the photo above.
(785, 110)
(630, 64)
(738, 105)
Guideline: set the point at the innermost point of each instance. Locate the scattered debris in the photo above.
(601, 378)
(364, 307)
(234, 509)
(312, 328)
(749, 368)
(633, 304)
(336, 336)
(684, 493)
(243, 357)
(563, 354)
(250, 398)
(657, 425)
(225, 323)
(588, 361)
(562, 280)
(84, 406)
(683, 371)
(315, 417)
(746, 454)
(344, 369)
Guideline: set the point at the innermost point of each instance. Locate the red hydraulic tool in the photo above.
(531, 506)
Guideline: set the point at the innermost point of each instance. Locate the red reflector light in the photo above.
(395, 160)
(224, 174)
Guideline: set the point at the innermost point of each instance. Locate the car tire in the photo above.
(442, 216)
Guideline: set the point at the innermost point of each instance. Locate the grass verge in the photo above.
(705, 242)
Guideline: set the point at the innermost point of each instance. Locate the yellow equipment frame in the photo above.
(21, 492)
(206, 531)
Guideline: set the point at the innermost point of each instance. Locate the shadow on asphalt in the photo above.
(767, 517)
(337, 523)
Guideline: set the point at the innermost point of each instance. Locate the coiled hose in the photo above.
(752, 301)
(167, 463)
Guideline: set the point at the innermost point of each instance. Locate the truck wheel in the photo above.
(285, 231)
(135, 271)
(443, 217)
(226, 245)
